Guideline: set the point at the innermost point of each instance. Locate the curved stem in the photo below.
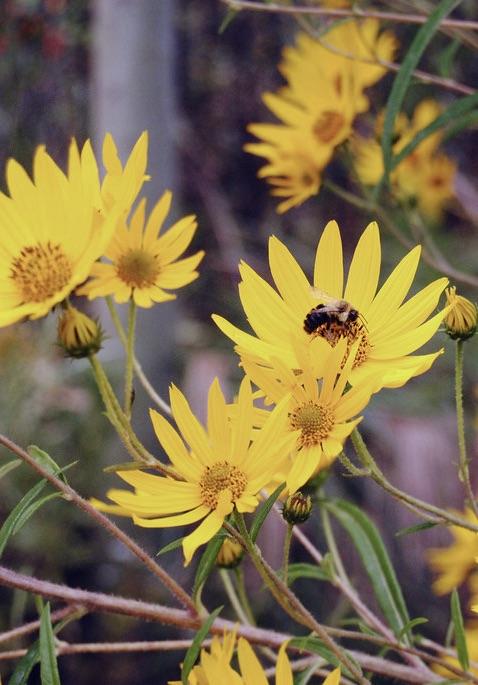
(289, 602)
(417, 505)
(232, 595)
(138, 369)
(241, 590)
(329, 536)
(128, 376)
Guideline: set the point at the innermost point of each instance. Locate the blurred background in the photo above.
(79, 69)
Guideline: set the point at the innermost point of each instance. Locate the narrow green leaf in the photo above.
(402, 80)
(48, 663)
(9, 466)
(228, 19)
(315, 646)
(193, 651)
(446, 57)
(376, 561)
(459, 628)
(124, 466)
(206, 563)
(415, 529)
(411, 624)
(25, 666)
(170, 546)
(458, 109)
(467, 122)
(304, 677)
(263, 510)
(44, 459)
(304, 570)
(12, 523)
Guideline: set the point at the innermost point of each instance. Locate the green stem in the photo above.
(330, 538)
(287, 541)
(464, 472)
(292, 605)
(232, 595)
(241, 590)
(417, 505)
(128, 375)
(138, 369)
(123, 427)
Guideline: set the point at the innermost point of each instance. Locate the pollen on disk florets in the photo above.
(40, 271)
(314, 421)
(138, 268)
(219, 477)
(352, 331)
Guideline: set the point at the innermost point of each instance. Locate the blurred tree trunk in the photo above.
(133, 49)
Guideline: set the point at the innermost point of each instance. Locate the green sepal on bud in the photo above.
(78, 334)
(462, 317)
(231, 553)
(297, 508)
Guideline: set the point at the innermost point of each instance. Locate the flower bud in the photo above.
(461, 319)
(297, 508)
(230, 554)
(78, 334)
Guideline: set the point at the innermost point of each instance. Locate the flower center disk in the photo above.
(328, 126)
(41, 271)
(219, 477)
(314, 421)
(138, 269)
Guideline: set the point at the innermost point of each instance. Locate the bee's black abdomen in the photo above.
(314, 319)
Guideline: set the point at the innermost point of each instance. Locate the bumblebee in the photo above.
(329, 312)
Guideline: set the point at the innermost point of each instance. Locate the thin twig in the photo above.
(105, 522)
(32, 626)
(447, 83)
(357, 12)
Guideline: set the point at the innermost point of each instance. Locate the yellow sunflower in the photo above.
(143, 264)
(292, 168)
(52, 229)
(221, 470)
(215, 666)
(321, 410)
(349, 55)
(425, 177)
(387, 328)
(453, 564)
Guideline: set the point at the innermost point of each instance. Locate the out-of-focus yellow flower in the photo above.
(230, 554)
(215, 666)
(222, 470)
(317, 107)
(454, 563)
(425, 176)
(349, 56)
(145, 265)
(386, 328)
(462, 316)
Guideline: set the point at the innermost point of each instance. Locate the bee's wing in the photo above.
(322, 296)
